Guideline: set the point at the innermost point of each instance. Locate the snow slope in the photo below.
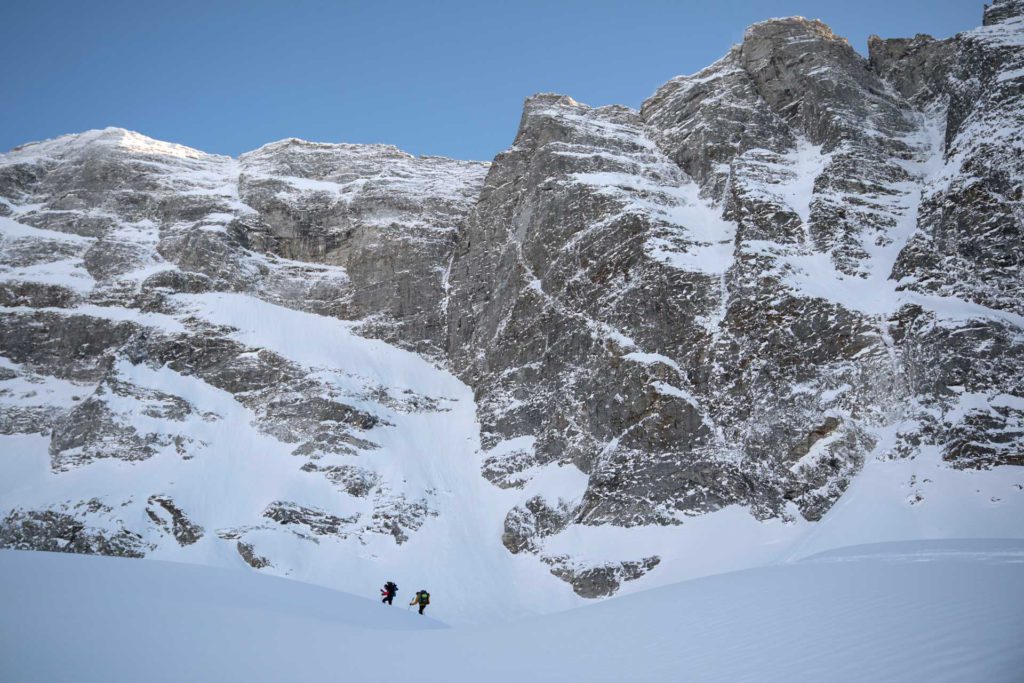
(935, 611)
(431, 456)
(890, 500)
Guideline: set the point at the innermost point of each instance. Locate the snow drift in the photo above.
(934, 611)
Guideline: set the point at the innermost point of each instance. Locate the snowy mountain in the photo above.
(777, 310)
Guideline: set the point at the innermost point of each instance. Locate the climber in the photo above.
(388, 591)
(422, 598)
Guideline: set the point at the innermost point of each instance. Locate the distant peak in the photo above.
(792, 28)
(343, 147)
(110, 137)
(547, 99)
(920, 39)
(137, 142)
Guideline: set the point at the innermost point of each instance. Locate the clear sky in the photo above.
(433, 77)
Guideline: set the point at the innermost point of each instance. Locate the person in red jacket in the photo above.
(388, 591)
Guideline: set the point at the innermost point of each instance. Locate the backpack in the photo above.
(424, 598)
(391, 587)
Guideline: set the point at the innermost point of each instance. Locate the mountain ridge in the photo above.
(711, 315)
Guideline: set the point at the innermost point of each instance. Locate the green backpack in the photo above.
(424, 598)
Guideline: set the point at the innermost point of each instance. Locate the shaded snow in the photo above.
(10, 230)
(651, 359)
(920, 498)
(949, 611)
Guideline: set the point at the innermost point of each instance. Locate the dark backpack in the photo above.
(424, 598)
(390, 587)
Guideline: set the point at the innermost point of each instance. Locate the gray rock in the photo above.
(603, 580)
(74, 346)
(318, 522)
(918, 68)
(387, 218)
(398, 516)
(248, 553)
(184, 531)
(36, 295)
(57, 531)
(355, 481)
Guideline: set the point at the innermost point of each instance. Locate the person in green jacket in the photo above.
(422, 598)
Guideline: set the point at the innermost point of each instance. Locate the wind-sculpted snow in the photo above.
(678, 336)
(935, 611)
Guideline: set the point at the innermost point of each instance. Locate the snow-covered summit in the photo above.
(113, 139)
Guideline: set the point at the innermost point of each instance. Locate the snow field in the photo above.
(913, 611)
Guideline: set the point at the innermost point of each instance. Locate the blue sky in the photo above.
(439, 77)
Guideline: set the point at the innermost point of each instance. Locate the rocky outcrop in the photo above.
(66, 529)
(388, 218)
(550, 316)
(599, 581)
(592, 263)
(968, 248)
(918, 68)
(185, 532)
(316, 521)
(248, 553)
(741, 337)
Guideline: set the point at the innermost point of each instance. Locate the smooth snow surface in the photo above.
(913, 611)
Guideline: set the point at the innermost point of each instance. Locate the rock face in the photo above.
(387, 218)
(746, 336)
(120, 258)
(787, 264)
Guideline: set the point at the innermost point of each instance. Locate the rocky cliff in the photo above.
(789, 264)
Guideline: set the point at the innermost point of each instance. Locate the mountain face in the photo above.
(333, 361)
